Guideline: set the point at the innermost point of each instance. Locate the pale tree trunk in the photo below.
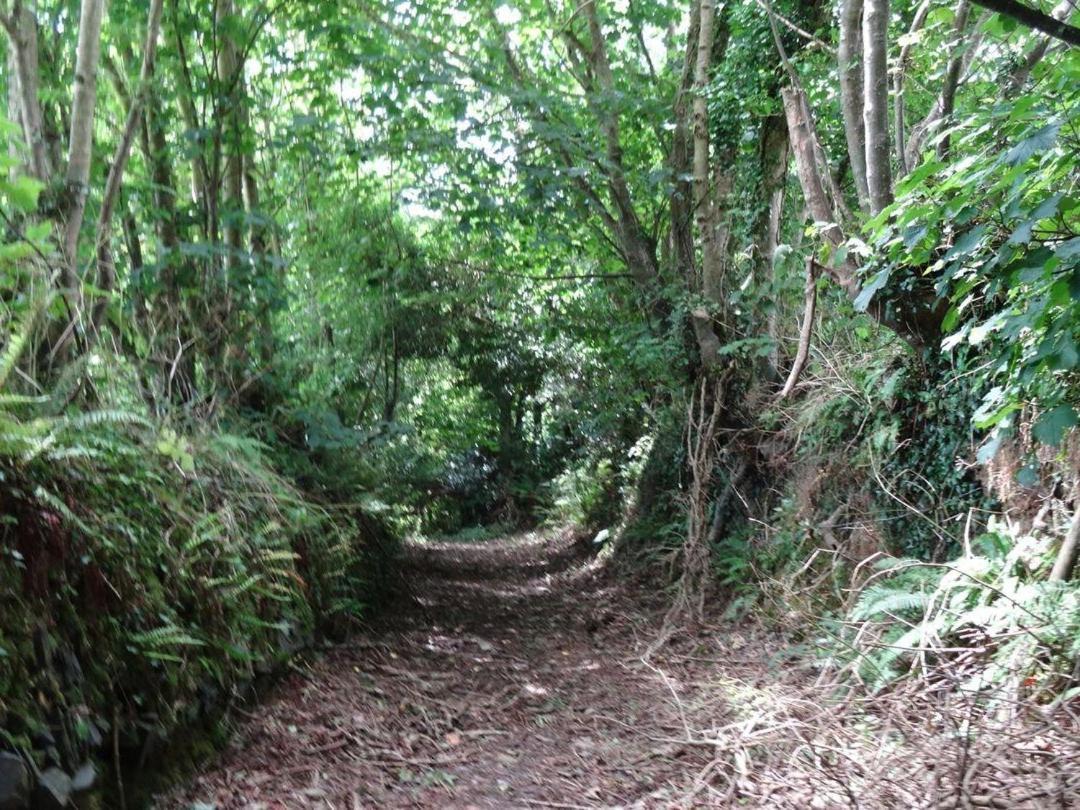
(1065, 560)
(106, 267)
(876, 102)
(849, 59)
(899, 112)
(806, 330)
(21, 27)
(81, 139)
(703, 196)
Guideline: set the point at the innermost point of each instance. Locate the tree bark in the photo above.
(876, 103)
(200, 172)
(640, 252)
(1070, 548)
(21, 27)
(1033, 18)
(773, 159)
(915, 319)
(899, 123)
(680, 201)
(943, 104)
(106, 266)
(803, 352)
(230, 86)
(81, 140)
(849, 61)
(706, 203)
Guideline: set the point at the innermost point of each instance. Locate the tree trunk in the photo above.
(773, 159)
(899, 112)
(178, 366)
(106, 268)
(680, 201)
(943, 104)
(81, 140)
(916, 319)
(1070, 548)
(200, 172)
(703, 196)
(849, 55)
(876, 103)
(638, 248)
(230, 88)
(21, 27)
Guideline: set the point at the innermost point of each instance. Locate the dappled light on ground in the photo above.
(517, 673)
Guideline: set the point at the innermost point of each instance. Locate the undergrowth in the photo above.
(151, 571)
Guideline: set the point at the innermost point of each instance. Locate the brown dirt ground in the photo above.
(516, 679)
(518, 675)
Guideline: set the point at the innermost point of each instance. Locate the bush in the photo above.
(148, 573)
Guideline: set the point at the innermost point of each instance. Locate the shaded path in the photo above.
(514, 679)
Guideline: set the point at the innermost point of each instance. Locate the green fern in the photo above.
(887, 600)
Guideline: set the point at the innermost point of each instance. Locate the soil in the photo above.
(522, 673)
(513, 676)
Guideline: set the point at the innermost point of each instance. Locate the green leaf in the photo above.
(1051, 426)
(1068, 248)
(1033, 145)
(23, 192)
(862, 301)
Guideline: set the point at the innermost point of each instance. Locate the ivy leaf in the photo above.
(1050, 427)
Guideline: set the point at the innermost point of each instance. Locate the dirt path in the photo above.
(515, 680)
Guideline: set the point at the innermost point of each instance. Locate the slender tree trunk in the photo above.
(952, 79)
(849, 58)
(943, 104)
(704, 198)
(640, 252)
(899, 112)
(22, 30)
(106, 267)
(178, 364)
(773, 160)
(1070, 549)
(200, 172)
(876, 102)
(81, 140)
(230, 84)
(806, 330)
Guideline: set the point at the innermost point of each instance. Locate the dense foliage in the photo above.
(766, 290)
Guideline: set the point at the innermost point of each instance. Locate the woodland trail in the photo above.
(513, 678)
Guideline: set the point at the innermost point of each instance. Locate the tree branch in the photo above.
(1033, 18)
(105, 267)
